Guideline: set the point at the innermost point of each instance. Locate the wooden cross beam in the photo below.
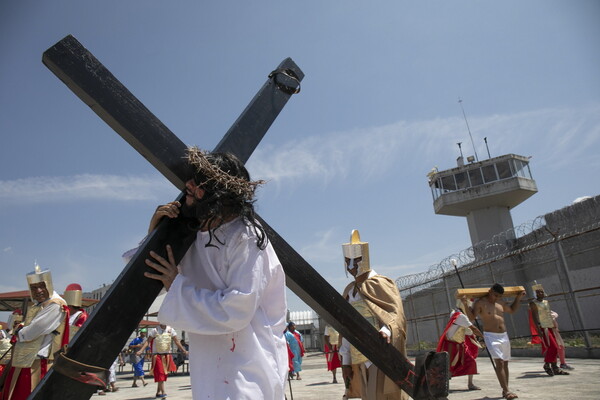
(119, 108)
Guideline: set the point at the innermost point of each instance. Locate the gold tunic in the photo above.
(24, 353)
(364, 310)
(334, 336)
(162, 343)
(459, 335)
(543, 308)
(4, 348)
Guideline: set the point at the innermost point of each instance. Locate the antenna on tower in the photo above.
(460, 148)
(469, 129)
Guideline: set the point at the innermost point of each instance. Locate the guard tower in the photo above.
(484, 192)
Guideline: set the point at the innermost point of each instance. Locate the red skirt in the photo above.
(333, 358)
(162, 364)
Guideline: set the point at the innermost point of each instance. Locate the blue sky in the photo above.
(378, 109)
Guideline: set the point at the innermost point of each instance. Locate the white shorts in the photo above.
(498, 344)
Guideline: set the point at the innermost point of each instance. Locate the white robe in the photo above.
(43, 324)
(231, 301)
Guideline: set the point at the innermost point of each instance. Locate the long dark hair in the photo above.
(228, 192)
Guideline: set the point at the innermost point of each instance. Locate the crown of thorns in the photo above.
(239, 186)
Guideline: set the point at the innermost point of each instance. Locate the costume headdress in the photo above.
(356, 249)
(536, 286)
(73, 295)
(212, 174)
(38, 276)
(461, 306)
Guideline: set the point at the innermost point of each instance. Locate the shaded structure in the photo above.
(484, 192)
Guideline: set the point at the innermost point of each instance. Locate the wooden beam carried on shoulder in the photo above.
(509, 291)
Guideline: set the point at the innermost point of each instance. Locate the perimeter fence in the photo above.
(560, 250)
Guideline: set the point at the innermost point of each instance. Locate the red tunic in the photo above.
(462, 355)
(162, 364)
(547, 338)
(333, 357)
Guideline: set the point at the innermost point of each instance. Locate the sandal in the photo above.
(548, 370)
(558, 371)
(509, 395)
(473, 387)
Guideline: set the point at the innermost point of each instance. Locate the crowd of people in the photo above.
(228, 295)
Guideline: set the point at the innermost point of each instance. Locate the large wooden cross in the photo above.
(102, 337)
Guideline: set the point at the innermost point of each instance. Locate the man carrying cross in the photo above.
(108, 97)
(228, 291)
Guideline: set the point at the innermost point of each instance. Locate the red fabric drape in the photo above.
(333, 357)
(462, 355)
(297, 336)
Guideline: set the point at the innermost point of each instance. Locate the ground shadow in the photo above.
(321, 384)
(533, 374)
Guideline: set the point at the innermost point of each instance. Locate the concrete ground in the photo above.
(527, 379)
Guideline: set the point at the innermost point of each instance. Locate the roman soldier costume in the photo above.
(543, 330)
(460, 343)
(74, 297)
(37, 340)
(376, 298)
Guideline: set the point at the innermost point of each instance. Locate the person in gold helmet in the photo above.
(542, 317)
(74, 297)
(40, 336)
(377, 298)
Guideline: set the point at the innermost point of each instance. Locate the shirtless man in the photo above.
(490, 309)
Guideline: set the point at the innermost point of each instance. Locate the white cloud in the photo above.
(7, 250)
(554, 136)
(320, 248)
(62, 189)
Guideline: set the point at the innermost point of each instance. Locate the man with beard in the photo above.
(228, 291)
(38, 339)
(376, 298)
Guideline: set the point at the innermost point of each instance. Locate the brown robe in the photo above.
(383, 299)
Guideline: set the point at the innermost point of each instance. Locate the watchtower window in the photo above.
(462, 182)
(521, 169)
(448, 182)
(489, 173)
(503, 169)
(475, 177)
